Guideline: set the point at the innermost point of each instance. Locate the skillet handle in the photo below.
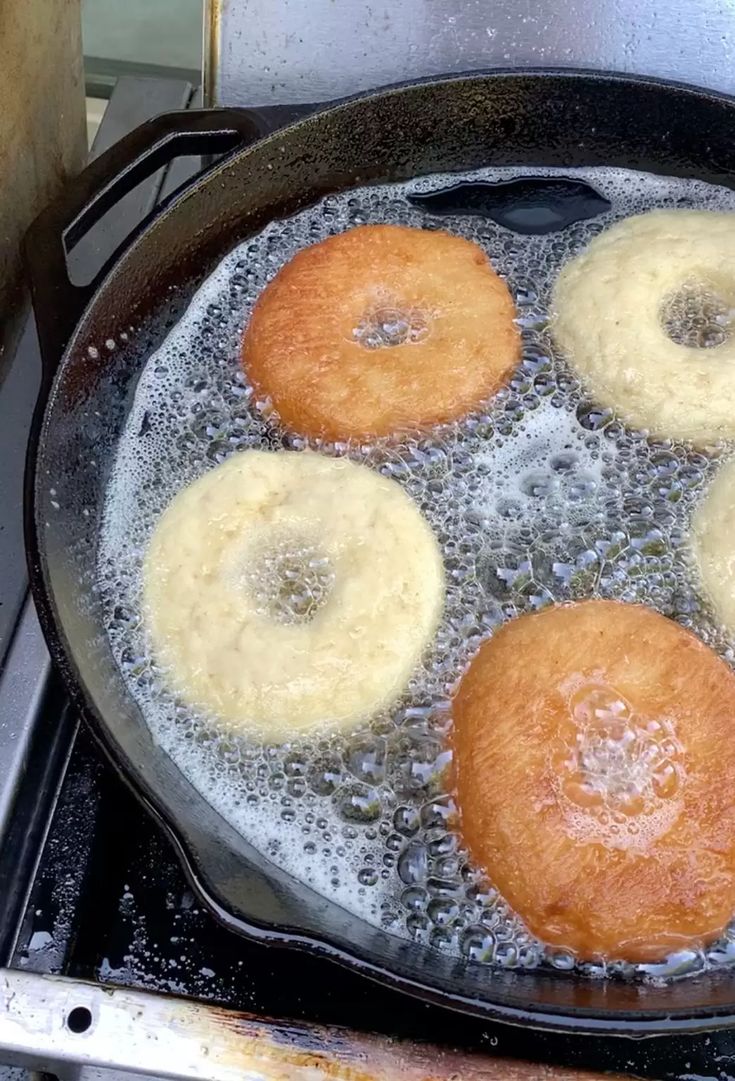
(58, 302)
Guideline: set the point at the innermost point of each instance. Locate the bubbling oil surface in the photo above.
(541, 497)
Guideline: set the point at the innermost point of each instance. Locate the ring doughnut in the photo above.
(381, 329)
(595, 774)
(287, 593)
(713, 543)
(611, 306)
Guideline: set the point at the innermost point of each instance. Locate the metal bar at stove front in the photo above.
(57, 1025)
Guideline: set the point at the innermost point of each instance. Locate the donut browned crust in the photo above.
(381, 329)
(595, 770)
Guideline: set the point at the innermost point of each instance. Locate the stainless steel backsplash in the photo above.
(273, 51)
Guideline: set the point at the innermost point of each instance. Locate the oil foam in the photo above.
(541, 497)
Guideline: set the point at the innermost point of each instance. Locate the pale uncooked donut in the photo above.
(713, 543)
(228, 656)
(607, 318)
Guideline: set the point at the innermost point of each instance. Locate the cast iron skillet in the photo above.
(458, 123)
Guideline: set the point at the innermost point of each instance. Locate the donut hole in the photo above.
(617, 763)
(697, 316)
(290, 581)
(386, 326)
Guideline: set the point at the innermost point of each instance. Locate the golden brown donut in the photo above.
(595, 773)
(381, 329)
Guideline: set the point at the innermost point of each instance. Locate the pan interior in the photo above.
(540, 497)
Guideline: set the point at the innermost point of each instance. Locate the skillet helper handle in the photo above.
(97, 189)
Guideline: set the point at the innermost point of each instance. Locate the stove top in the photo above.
(91, 889)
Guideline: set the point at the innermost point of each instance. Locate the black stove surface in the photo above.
(90, 888)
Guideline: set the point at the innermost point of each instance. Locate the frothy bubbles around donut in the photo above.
(544, 497)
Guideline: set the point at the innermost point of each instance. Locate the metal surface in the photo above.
(79, 1030)
(448, 124)
(272, 51)
(22, 689)
(41, 146)
(140, 38)
(18, 391)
